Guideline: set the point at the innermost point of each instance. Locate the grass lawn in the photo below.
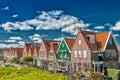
(28, 73)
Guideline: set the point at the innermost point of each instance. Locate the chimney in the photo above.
(79, 30)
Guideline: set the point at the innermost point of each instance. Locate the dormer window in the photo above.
(91, 38)
(55, 43)
(88, 37)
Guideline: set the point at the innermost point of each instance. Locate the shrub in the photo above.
(27, 59)
(95, 75)
(113, 73)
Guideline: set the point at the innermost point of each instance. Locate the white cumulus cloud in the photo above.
(15, 38)
(47, 21)
(21, 43)
(10, 41)
(59, 39)
(99, 27)
(15, 26)
(10, 45)
(74, 27)
(36, 38)
(115, 35)
(15, 15)
(5, 8)
(116, 26)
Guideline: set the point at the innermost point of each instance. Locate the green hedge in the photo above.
(113, 73)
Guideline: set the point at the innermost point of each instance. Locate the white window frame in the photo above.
(85, 53)
(63, 54)
(75, 53)
(80, 53)
(79, 42)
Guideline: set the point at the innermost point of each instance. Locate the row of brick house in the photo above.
(88, 49)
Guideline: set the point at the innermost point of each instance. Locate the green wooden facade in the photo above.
(63, 52)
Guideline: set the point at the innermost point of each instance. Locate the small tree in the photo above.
(27, 59)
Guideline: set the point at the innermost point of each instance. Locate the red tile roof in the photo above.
(101, 39)
(28, 45)
(19, 51)
(70, 42)
(37, 47)
(49, 44)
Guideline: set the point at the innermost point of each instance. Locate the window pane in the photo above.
(79, 42)
(65, 54)
(80, 54)
(84, 54)
(75, 53)
(61, 54)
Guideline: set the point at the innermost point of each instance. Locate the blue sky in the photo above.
(32, 20)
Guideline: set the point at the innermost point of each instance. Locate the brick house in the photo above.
(52, 61)
(6, 53)
(119, 53)
(13, 53)
(9, 53)
(36, 54)
(96, 50)
(43, 53)
(26, 49)
(64, 54)
(47, 53)
(31, 50)
(18, 53)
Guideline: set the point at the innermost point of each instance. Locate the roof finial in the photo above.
(79, 30)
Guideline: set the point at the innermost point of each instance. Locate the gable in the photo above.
(63, 47)
(83, 42)
(42, 47)
(111, 44)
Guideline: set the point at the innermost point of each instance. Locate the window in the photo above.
(62, 45)
(63, 54)
(84, 53)
(79, 42)
(42, 53)
(62, 64)
(114, 53)
(80, 54)
(110, 41)
(88, 37)
(110, 54)
(107, 53)
(51, 54)
(75, 53)
(55, 43)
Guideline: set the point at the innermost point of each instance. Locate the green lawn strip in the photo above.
(28, 73)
